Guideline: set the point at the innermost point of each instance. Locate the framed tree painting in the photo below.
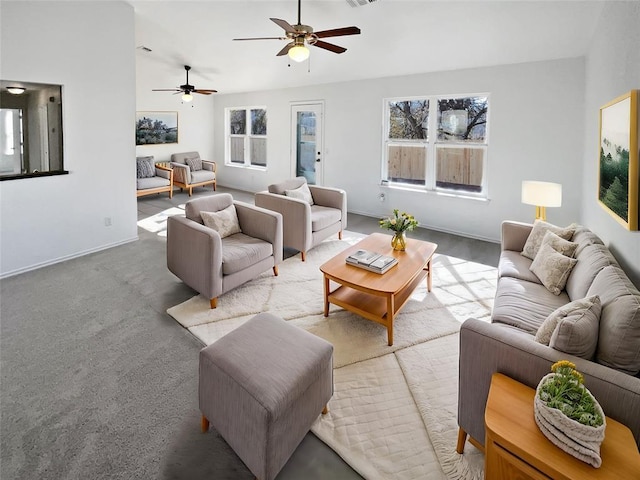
(154, 128)
(618, 175)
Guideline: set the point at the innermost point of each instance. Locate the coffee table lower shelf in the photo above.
(380, 307)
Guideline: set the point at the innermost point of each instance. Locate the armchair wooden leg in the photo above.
(213, 302)
(462, 438)
(214, 186)
(325, 410)
(275, 270)
(302, 254)
(340, 235)
(204, 424)
(190, 191)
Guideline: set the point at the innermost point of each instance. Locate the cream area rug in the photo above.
(394, 409)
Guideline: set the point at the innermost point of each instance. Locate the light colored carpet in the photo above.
(394, 409)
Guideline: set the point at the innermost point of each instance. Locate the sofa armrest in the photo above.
(331, 197)
(486, 348)
(514, 235)
(164, 172)
(181, 173)
(209, 165)
(263, 224)
(194, 254)
(296, 218)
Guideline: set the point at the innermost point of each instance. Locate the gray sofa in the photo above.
(507, 344)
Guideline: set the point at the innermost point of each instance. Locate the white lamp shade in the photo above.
(187, 97)
(298, 53)
(542, 194)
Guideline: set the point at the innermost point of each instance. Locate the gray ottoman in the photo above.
(262, 386)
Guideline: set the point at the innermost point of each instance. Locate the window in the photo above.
(246, 136)
(437, 143)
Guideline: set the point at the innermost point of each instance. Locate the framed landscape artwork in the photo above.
(154, 128)
(618, 176)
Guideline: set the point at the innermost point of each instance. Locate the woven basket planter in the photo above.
(578, 440)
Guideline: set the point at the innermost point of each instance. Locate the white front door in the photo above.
(306, 141)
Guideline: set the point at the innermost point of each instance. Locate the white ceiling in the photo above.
(398, 38)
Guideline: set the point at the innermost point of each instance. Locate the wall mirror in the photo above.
(30, 130)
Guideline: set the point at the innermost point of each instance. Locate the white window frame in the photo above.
(430, 145)
(247, 136)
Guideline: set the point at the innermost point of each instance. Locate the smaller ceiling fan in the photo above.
(300, 35)
(186, 89)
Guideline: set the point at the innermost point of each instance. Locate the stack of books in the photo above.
(372, 261)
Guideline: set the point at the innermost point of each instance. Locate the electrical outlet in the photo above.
(382, 197)
(107, 221)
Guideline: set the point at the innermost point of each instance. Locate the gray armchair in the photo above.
(212, 265)
(190, 171)
(153, 178)
(304, 225)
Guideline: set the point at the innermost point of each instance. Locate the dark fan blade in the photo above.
(205, 92)
(166, 90)
(285, 50)
(329, 46)
(284, 24)
(337, 32)
(261, 38)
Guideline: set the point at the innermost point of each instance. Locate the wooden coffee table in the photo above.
(371, 295)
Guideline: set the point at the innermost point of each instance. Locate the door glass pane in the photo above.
(306, 146)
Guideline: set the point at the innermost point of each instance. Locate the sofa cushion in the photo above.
(301, 193)
(225, 221)
(323, 217)
(241, 251)
(534, 240)
(153, 182)
(552, 268)
(576, 333)
(584, 237)
(145, 167)
(524, 304)
(513, 264)
(200, 176)
(591, 259)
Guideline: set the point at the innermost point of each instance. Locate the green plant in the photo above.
(566, 392)
(399, 222)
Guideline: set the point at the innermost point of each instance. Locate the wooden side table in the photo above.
(515, 448)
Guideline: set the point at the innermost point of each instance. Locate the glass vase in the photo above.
(399, 241)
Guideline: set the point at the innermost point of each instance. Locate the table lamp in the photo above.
(542, 195)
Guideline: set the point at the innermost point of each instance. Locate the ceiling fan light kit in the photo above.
(301, 35)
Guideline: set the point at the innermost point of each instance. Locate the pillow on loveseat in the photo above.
(540, 228)
(573, 328)
(552, 268)
(145, 167)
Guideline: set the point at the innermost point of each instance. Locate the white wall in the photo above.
(536, 129)
(195, 119)
(612, 69)
(89, 49)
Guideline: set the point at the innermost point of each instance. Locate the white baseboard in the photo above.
(65, 258)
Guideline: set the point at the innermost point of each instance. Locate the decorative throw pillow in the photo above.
(540, 227)
(145, 167)
(195, 163)
(573, 310)
(577, 333)
(552, 268)
(559, 244)
(225, 222)
(301, 193)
